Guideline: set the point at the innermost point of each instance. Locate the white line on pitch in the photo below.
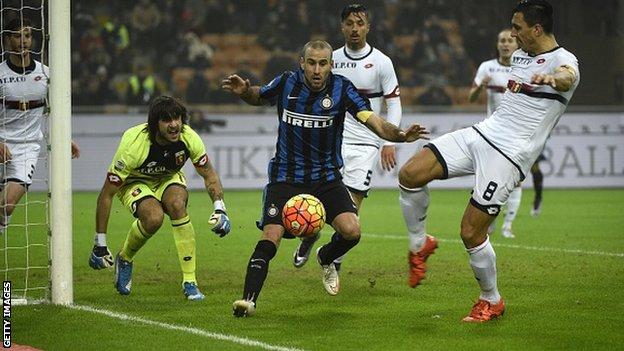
(511, 246)
(196, 331)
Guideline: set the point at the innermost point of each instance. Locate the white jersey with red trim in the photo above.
(17, 125)
(528, 113)
(373, 75)
(499, 76)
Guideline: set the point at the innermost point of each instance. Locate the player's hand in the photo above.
(415, 132)
(235, 84)
(100, 258)
(220, 223)
(5, 153)
(485, 81)
(75, 150)
(544, 79)
(388, 157)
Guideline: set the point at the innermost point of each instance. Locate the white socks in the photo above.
(513, 204)
(483, 263)
(414, 203)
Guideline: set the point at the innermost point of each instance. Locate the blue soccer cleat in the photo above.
(191, 291)
(123, 275)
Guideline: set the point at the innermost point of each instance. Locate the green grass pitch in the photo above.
(562, 278)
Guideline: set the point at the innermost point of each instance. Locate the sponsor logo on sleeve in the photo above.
(114, 179)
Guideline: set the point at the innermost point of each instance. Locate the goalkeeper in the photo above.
(146, 174)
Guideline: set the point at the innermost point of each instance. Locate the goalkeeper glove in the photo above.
(100, 258)
(220, 223)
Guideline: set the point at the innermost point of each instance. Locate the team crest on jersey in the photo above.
(136, 192)
(272, 211)
(327, 102)
(179, 158)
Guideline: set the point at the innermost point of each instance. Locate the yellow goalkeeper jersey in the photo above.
(138, 159)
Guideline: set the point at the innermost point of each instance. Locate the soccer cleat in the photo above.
(507, 233)
(416, 261)
(191, 291)
(331, 279)
(123, 275)
(483, 311)
(302, 253)
(243, 308)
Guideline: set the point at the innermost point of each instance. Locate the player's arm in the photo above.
(219, 219)
(389, 131)
(243, 88)
(101, 257)
(475, 90)
(562, 79)
(5, 153)
(479, 82)
(388, 150)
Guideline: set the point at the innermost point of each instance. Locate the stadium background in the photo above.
(125, 53)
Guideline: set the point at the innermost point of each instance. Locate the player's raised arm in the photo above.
(389, 131)
(243, 88)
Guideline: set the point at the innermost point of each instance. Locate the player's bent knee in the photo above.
(151, 224)
(175, 208)
(409, 179)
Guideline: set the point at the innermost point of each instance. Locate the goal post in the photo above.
(61, 275)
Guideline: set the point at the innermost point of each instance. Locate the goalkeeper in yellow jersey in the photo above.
(146, 174)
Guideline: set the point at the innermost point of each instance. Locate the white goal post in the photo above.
(61, 220)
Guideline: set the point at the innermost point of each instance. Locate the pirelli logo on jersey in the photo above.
(307, 121)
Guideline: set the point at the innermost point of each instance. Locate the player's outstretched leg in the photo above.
(184, 237)
(302, 252)
(257, 271)
(538, 184)
(414, 203)
(490, 305)
(513, 204)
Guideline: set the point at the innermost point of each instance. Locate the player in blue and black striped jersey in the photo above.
(311, 105)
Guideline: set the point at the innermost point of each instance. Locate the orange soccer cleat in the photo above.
(483, 311)
(416, 261)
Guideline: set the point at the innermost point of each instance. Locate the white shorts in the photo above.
(359, 162)
(465, 152)
(22, 165)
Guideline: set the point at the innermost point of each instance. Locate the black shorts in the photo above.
(334, 196)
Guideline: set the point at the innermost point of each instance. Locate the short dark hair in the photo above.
(164, 108)
(354, 8)
(537, 12)
(14, 25)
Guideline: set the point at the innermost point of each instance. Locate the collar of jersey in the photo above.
(22, 70)
(370, 50)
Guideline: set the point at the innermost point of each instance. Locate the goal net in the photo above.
(24, 216)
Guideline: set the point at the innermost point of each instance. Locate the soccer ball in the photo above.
(303, 215)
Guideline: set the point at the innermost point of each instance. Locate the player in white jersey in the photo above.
(23, 90)
(373, 75)
(500, 150)
(493, 75)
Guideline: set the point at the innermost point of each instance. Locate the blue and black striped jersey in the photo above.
(309, 141)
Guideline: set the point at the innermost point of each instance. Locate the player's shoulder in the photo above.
(41, 67)
(135, 132)
(189, 133)
(564, 53)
